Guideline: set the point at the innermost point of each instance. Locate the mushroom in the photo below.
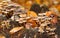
(16, 29)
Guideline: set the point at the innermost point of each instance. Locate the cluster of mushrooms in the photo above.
(14, 22)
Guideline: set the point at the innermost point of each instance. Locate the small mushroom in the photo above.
(16, 29)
